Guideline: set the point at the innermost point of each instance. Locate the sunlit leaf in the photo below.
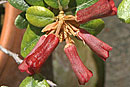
(19, 4)
(35, 2)
(123, 11)
(54, 3)
(30, 39)
(39, 16)
(36, 80)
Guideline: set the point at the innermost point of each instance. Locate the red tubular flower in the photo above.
(35, 59)
(79, 68)
(99, 47)
(41, 40)
(100, 9)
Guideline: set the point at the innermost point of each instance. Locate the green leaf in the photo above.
(81, 4)
(30, 39)
(21, 21)
(72, 3)
(54, 3)
(72, 6)
(94, 27)
(35, 2)
(39, 16)
(19, 4)
(123, 11)
(36, 80)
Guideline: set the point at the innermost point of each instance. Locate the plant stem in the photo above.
(14, 55)
(3, 2)
(51, 83)
(60, 7)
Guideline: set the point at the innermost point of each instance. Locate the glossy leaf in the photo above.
(81, 4)
(36, 80)
(39, 16)
(30, 39)
(35, 2)
(123, 11)
(19, 4)
(54, 3)
(94, 27)
(21, 21)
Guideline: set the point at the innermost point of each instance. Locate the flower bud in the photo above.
(34, 61)
(78, 67)
(100, 9)
(99, 47)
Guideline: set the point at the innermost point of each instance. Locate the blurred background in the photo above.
(115, 72)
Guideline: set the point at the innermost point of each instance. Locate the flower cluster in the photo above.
(62, 29)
